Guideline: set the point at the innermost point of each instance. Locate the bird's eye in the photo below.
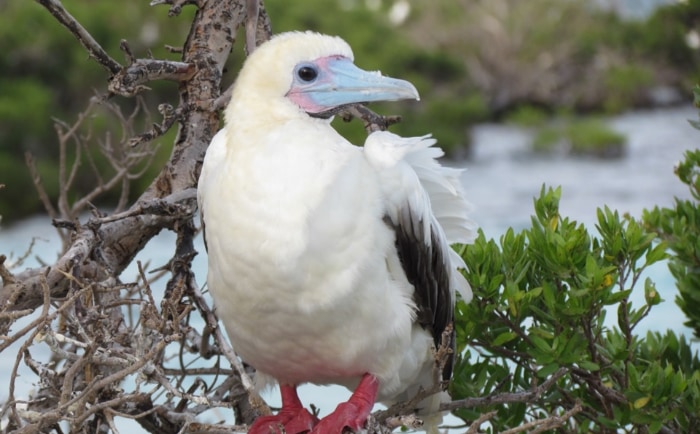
(307, 73)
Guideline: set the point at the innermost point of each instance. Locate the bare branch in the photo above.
(251, 25)
(170, 116)
(176, 5)
(39, 186)
(223, 99)
(5, 276)
(131, 80)
(93, 48)
(474, 426)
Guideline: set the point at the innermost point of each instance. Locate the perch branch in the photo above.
(371, 120)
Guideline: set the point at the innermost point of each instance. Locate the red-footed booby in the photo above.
(329, 262)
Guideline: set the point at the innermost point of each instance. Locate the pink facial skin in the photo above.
(301, 93)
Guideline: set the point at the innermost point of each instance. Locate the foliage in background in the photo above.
(566, 134)
(589, 137)
(557, 54)
(487, 59)
(46, 76)
(542, 297)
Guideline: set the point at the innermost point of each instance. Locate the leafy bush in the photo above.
(680, 228)
(542, 296)
(625, 85)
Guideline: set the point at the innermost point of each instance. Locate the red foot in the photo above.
(294, 418)
(353, 413)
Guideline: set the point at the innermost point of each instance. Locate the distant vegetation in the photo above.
(471, 61)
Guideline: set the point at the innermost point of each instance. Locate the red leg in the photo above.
(293, 416)
(353, 413)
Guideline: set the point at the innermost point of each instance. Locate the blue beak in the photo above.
(339, 82)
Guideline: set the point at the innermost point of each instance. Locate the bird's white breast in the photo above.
(300, 264)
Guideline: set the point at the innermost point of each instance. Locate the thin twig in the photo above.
(39, 186)
(176, 5)
(474, 426)
(93, 48)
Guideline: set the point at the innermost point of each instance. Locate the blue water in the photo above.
(501, 181)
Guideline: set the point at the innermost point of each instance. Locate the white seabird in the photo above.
(329, 262)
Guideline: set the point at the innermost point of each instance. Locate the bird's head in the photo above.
(309, 74)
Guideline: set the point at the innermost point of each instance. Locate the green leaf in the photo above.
(541, 344)
(504, 338)
(547, 370)
(616, 297)
(589, 366)
(641, 402)
(651, 295)
(657, 253)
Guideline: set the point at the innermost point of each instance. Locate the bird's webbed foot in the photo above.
(351, 414)
(293, 418)
(300, 422)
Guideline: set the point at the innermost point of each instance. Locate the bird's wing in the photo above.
(426, 207)
(212, 159)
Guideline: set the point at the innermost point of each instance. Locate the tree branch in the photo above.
(372, 121)
(55, 7)
(131, 80)
(175, 5)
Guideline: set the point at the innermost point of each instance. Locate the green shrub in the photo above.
(528, 116)
(625, 85)
(589, 137)
(541, 297)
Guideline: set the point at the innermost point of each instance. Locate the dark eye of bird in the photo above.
(307, 73)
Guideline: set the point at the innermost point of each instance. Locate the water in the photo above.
(501, 181)
(502, 178)
(633, 9)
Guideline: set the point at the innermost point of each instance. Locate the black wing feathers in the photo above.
(426, 268)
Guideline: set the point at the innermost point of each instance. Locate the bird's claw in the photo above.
(299, 421)
(346, 415)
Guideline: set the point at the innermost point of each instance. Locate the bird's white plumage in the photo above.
(303, 266)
